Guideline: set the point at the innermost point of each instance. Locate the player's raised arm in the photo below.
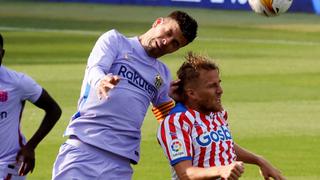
(266, 169)
(52, 114)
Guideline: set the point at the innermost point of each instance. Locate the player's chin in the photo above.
(219, 107)
(216, 108)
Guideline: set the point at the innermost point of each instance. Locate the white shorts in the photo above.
(79, 161)
(10, 172)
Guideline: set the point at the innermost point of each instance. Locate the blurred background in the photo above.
(270, 69)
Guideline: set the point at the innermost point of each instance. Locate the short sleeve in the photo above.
(175, 139)
(29, 89)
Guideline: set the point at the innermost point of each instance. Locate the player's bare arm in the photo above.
(185, 170)
(52, 114)
(266, 169)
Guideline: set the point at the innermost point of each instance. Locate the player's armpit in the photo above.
(160, 112)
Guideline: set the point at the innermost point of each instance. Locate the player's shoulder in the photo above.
(179, 107)
(181, 113)
(164, 69)
(12, 76)
(113, 33)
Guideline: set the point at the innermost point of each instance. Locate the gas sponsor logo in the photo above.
(221, 134)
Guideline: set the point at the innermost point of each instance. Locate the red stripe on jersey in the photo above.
(164, 139)
(198, 128)
(187, 120)
(212, 155)
(215, 125)
(229, 155)
(185, 134)
(219, 119)
(8, 177)
(193, 152)
(220, 154)
(200, 132)
(172, 128)
(206, 122)
(225, 116)
(201, 156)
(213, 145)
(192, 112)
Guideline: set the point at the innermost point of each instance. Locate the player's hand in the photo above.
(106, 84)
(268, 171)
(26, 156)
(174, 85)
(232, 171)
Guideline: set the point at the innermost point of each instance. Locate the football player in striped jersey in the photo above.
(195, 137)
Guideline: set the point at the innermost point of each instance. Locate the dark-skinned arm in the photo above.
(52, 115)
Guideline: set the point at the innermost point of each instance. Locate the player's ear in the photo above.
(190, 93)
(158, 21)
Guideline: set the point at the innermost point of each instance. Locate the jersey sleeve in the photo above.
(102, 56)
(29, 89)
(163, 110)
(162, 104)
(174, 136)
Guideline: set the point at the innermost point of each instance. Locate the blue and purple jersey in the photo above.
(114, 124)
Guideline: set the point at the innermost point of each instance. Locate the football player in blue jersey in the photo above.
(123, 76)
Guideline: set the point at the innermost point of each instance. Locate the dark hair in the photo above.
(190, 69)
(187, 24)
(1, 41)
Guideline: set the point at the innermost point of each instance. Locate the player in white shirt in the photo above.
(123, 76)
(195, 137)
(17, 156)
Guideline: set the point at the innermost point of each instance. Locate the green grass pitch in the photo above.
(270, 70)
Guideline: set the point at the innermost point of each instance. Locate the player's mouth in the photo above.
(218, 100)
(158, 45)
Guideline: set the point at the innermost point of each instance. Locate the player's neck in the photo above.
(197, 108)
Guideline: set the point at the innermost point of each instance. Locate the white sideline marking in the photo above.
(262, 41)
(88, 32)
(69, 31)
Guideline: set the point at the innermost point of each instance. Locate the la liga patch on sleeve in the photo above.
(177, 149)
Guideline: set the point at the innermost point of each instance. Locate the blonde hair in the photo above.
(189, 71)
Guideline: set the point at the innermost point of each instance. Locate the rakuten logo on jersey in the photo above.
(3, 115)
(222, 134)
(137, 80)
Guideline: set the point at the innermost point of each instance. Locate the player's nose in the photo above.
(164, 41)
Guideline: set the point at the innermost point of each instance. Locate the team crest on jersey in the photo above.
(158, 81)
(3, 96)
(177, 149)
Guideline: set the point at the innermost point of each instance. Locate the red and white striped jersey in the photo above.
(203, 139)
